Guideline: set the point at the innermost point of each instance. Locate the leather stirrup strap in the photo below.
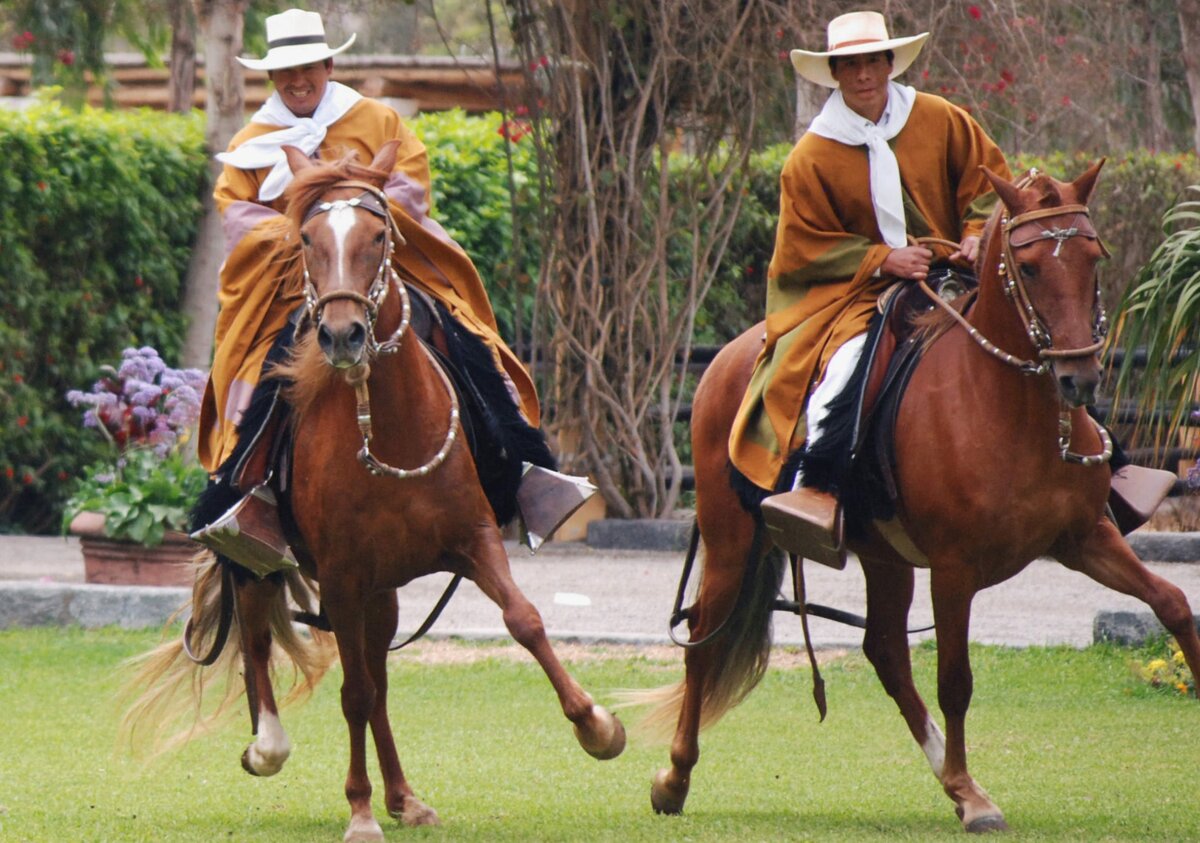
(443, 601)
(224, 622)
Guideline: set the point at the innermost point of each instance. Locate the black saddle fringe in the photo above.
(504, 440)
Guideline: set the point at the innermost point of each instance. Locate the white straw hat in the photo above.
(852, 34)
(294, 37)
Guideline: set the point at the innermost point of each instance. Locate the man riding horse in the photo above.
(327, 120)
(880, 167)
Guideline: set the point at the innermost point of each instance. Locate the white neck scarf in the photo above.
(306, 133)
(837, 121)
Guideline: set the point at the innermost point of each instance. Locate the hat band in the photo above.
(299, 39)
(842, 44)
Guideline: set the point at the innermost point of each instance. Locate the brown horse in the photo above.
(360, 377)
(990, 477)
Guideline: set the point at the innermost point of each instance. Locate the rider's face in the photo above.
(301, 88)
(863, 80)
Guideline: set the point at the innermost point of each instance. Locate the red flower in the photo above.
(42, 186)
(975, 12)
(521, 110)
(8, 472)
(62, 475)
(22, 421)
(1066, 100)
(67, 57)
(27, 479)
(137, 282)
(1007, 75)
(18, 379)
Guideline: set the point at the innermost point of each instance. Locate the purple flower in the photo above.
(143, 401)
(1193, 477)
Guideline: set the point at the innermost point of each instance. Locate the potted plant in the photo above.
(130, 509)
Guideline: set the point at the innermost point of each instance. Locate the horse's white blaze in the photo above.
(934, 747)
(341, 221)
(271, 748)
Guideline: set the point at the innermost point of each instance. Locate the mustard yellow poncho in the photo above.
(255, 302)
(822, 284)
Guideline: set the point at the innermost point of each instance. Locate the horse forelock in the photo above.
(311, 184)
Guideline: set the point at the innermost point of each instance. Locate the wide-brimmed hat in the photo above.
(852, 34)
(294, 37)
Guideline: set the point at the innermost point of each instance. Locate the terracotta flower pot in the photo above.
(113, 562)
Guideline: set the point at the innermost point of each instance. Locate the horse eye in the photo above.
(305, 239)
(379, 239)
(1028, 271)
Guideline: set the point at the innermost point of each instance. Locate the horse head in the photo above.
(1048, 267)
(347, 237)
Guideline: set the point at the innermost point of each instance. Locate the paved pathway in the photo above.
(626, 595)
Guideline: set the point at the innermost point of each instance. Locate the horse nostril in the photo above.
(324, 339)
(356, 337)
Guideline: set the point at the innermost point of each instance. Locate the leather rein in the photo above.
(1014, 290)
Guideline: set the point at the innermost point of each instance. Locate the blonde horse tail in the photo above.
(731, 663)
(172, 698)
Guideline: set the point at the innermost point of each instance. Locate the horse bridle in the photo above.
(374, 201)
(1014, 288)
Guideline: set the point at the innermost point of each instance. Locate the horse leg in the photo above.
(953, 590)
(1107, 558)
(885, 643)
(719, 673)
(597, 730)
(714, 602)
(347, 618)
(271, 747)
(381, 614)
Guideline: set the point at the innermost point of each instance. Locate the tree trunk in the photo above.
(1189, 35)
(221, 24)
(182, 84)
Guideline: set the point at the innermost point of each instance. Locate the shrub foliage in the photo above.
(97, 215)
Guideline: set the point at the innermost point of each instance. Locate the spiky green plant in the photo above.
(1160, 312)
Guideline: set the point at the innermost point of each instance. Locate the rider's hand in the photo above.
(910, 262)
(968, 250)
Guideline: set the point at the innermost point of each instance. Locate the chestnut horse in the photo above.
(416, 507)
(996, 461)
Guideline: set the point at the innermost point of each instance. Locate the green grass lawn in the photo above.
(1065, 741)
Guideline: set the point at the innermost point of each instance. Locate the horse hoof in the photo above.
(607, 739)
(257, 765)
(363, 831)
(416, 812)
(665, 799)
(985, 824)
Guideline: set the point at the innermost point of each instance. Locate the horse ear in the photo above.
(1086, 183)
(385, 158)
(296, 159)
(1009, 193)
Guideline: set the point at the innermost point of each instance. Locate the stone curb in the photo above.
(672, 534)
(1129, 629)
(639, 534)
(1166, 547)
(57, 604)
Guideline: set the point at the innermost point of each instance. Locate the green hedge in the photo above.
(471, 199)
(97, 215)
